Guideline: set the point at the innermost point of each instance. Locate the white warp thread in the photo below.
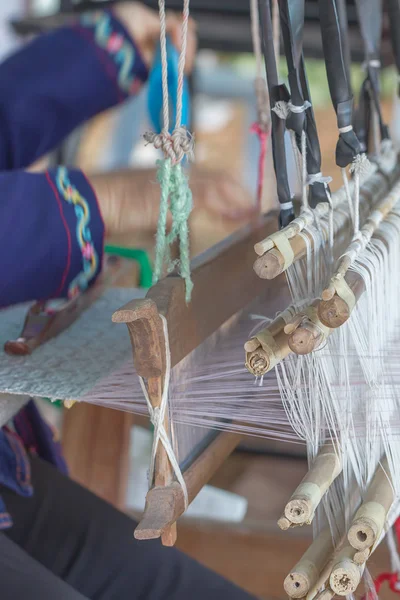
(157, 416)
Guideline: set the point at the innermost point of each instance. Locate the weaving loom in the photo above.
(325, 366)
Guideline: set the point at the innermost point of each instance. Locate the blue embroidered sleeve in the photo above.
(51, 235)
(59, 81)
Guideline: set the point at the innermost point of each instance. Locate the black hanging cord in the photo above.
(370, 19)
(276, 92)
(393, 8)
(292, 24)
(333, 20)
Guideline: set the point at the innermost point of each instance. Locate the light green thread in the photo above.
(175, 195)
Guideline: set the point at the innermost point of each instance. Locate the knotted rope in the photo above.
(175, 191)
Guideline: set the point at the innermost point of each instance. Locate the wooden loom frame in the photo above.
(219, 269)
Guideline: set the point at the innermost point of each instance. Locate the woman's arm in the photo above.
(51, 235)
(62, 79)
(52, 225)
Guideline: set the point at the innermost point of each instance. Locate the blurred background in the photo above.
(231, 526)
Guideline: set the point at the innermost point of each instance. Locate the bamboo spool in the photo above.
(346, 574)
(370, 518)
(267, 348)
(306, 573)
(302, 505)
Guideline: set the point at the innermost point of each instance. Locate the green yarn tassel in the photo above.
(176, 196)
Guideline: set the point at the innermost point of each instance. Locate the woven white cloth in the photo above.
(71, 364)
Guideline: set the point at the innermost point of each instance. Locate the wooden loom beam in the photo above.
(271, 261)
(224, 283)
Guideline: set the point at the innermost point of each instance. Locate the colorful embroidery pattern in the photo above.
(89, 255)
(118, 47)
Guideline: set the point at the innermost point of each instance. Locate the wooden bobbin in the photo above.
(370, 518)
(305, 339)
(345, 575)
(305, 332)
(333, 310)
(302, 505)
(272, 263)
(306, 573)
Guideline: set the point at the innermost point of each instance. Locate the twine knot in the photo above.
(318, 178)
(174, 146)
(360, 165)
(283, 109)
(154, 414)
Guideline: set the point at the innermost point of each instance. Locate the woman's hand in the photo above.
(143, 24)
(129, 200)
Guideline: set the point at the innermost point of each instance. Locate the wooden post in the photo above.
(164, 505)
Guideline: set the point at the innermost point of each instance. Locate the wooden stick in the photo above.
(163, 472)
(272, 263)
(306, 572)
(164, 505)
(346, 574)
(302, 505)
(326, 594)
(370, 518)
(362, 556)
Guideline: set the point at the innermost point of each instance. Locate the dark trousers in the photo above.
(67, 544)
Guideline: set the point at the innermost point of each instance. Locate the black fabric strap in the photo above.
(292, 24)
(393, 8)
(333, 21)
(276, 92)
(370, 19)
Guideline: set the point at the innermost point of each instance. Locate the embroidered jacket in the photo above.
(51, 230)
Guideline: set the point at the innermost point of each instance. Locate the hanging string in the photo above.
(262, 126)
(157, 417)
(175, 192)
